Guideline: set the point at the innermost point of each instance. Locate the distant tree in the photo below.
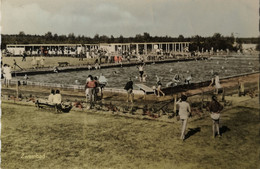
(55, 38)
(71, 35)
(112, 39)
(71, 38)
(62, 38)
(146, 37)
(104, 39)
(48, 34)
(96, 38)
(138, 38)
(181, 38)
(121, 39)
(196, 43)
(48, 37)
(21, 33)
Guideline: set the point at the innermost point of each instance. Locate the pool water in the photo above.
(201, 70)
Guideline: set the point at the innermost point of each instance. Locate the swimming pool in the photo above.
(200, 70)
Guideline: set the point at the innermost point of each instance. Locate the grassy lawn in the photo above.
(33, 138)
(49, 61)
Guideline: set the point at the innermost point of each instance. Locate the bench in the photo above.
(58, 108)
(145, 89)
(63, 64)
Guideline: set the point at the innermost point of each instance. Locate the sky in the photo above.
(131, 17)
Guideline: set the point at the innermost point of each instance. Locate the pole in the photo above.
(17, 89)
(174, 106)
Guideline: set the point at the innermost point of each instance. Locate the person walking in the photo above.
(184, 112)
(215, 108)
(129, 89)
(24, 56)
(159, 86)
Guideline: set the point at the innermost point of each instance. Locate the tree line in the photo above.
(217, 41)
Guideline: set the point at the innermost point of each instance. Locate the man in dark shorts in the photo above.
(24, 56)
(129, 89)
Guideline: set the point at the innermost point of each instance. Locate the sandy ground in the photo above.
(33, 138)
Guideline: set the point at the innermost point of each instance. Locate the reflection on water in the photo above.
(117, 77)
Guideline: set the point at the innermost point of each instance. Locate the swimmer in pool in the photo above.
(141, 71)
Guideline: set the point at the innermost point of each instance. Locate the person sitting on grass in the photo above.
(51, 96)
(57, 98)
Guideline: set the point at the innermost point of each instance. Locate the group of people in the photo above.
(55, 97)
(184, 111)
(37, 62)
(93, 86)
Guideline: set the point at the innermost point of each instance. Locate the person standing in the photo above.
(96, 89)
(216, 82)
(184, 113)
(90, 86)
(102, 82)
(115, 59)
(120, 59)
(129, 89)
(215, 108)
(24, 56)
(14, 64)
(42, 62)
(7, 74)
(34, 62)
(141, 71)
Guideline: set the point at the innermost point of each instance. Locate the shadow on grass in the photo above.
(108, 97)
(191, 132)
(224, 129)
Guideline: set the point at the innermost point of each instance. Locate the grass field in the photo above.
(48, 62)
(33, 138)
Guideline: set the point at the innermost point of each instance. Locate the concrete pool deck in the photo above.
(249, 80)
(159, 109)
